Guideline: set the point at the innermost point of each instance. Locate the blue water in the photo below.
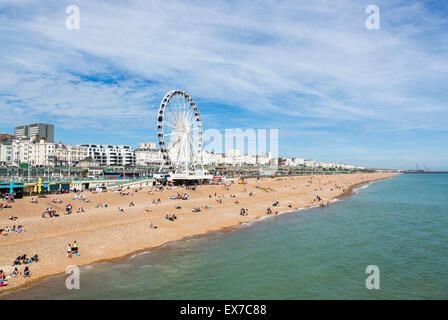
(399, 224)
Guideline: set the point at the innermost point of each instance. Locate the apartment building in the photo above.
(148, 156)
(35, 132)
(111, 155)
(69, 155)
(6, 153)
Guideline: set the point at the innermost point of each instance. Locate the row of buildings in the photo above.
(33, 145)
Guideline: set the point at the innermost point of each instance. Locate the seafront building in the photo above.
(146, 154)
(40, 153)
(69, 155)
(111, 155)
(20, 151)
(147, 145)
(309, 163)
(35, 132)
(294, 162)
(33, 145)
(6, 153)
(212, 158)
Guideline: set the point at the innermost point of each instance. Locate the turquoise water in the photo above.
(399, 225)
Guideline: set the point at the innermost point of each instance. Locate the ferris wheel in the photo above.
(179, 131)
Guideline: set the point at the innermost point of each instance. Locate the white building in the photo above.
(6, 153)
(32, 153)
(147, 145)
(264, 159)
(111, 155)
(295, 162)
(310, 163)
(233, 157)
(40, 153)
(20, 151)
(249, 159)
(211, 158)
(145, 156)
(69, 155)
(326, 165)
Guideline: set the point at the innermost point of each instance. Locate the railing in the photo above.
(122, 182)
(62, 180)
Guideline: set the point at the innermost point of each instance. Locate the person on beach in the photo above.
(3, 283)
(15, 273)
(69, 251)
(26, 272)
(152, 226)
(75, 247)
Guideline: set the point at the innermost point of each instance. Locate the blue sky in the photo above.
(335, 90)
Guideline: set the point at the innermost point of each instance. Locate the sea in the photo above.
(397, 225)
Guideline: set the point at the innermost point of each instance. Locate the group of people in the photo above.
(4, 206)
(25, 260)
(180, 197)
(72, 249)
(244, 212)
(15, 273)
(198, 209)
(264, 189)
(269, 211)
(7, 229)
(50, 213)
(80, 196)
(8, 197)
(171, 217)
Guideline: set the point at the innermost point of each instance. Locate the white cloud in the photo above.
(299, 59)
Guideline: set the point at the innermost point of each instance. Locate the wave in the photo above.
(357, 190)
(273, 215)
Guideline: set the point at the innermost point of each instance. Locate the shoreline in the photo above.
(32, 282)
